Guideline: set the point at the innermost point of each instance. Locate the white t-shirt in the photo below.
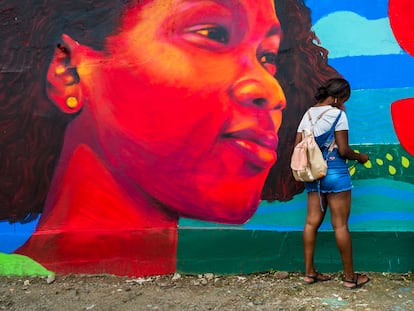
(325, 122)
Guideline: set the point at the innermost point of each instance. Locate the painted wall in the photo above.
(131, 134)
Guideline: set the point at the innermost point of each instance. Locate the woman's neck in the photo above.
(92, 225)
(326, 102)
(85, 195)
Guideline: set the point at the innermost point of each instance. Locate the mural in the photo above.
(123, 121)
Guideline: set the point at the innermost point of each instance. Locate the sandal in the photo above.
(355, 282)
(318, 277)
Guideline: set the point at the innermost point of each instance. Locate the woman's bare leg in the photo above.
(314, 219)
(340, 206)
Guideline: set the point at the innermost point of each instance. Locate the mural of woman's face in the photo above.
(186, 105)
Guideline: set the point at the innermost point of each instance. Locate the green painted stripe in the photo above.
(231, 251)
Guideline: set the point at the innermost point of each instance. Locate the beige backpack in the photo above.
(307, 162)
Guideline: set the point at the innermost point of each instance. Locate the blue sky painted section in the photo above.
(360, 42)
(363, 49)
(381, 71)
(371, 9)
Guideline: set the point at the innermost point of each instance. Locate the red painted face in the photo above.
(186, 104)
(400, 13)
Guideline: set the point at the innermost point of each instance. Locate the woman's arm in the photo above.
(345, 151)
(298, 139)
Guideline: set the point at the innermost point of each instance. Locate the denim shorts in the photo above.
(337, 178)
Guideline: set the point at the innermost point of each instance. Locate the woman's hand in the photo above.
(345, 151)
(362, 158)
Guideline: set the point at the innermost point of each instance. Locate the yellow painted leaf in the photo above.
(405, 162)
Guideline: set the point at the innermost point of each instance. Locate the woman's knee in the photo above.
(340, 227)
(314, 221)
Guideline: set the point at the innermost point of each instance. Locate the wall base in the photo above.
(232, 251)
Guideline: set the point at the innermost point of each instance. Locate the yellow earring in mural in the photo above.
(60, 70)
(72, 102)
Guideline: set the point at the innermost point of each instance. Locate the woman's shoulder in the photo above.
(333, 112)
(327, 111)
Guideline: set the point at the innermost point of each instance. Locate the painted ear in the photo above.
(63, 83)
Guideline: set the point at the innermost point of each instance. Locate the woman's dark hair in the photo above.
(337, 87)
(302, 66)
(32, 129)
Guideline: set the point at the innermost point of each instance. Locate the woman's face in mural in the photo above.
(186, 104)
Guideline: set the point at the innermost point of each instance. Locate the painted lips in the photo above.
(257, 146)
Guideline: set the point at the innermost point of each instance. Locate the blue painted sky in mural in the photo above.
(371, 9)
(362, 48)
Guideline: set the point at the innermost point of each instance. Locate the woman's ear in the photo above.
(63, 82)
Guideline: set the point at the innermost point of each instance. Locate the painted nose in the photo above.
(264, 94)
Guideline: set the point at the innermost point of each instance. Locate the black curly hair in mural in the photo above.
(302, 67)
(32, 129)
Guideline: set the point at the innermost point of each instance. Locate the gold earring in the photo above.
(72, 102)
(60, 69)
(336, 100)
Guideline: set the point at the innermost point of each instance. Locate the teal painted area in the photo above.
(377, 205)
(369, 114)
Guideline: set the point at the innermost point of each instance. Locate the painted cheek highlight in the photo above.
(276, 117)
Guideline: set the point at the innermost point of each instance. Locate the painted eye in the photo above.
(215, 33)
(268, 60)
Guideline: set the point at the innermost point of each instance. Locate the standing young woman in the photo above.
(334, 190)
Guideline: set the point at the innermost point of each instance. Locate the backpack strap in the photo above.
(329, 135)
(331, 146)
(332, 130)
(318, 118)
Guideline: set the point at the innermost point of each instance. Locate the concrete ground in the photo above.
(262, 291)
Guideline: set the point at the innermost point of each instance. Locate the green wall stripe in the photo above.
(229, 251)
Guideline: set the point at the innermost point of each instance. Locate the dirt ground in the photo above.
(264, 291)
